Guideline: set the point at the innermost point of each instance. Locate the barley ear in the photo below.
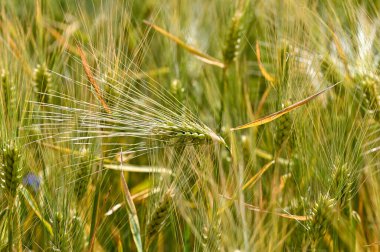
(343, 184)
(211, 237)
(319, 218)
(233, 39)
(284, 130)
(369, 86)
(11, 170)
(159, 218)
(42, 83)
(8, 93)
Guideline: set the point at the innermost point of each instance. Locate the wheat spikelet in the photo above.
(159, 217)
(185, 134)
(42, 81)
(233, 40)
(8, 97)
(177, 90)
(343, 184)
(11, 170)
(61, 239)
(284, 129)
(319, 217)
(211, 237)
(369, 86)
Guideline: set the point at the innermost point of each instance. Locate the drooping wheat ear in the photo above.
(138, 110)
(369, 85)
(83, 171)
(8, 98)
(233, 39)
(319, 217)
(343, 184)
(211, 237)
(61, 239)
(159, 218)
(186, 133)
(284, 129)
(42, 83)
(11, 170)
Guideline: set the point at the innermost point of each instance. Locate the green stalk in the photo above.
(94, 218)
(10, 231)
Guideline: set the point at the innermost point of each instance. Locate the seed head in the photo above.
(232, 44)
(11, 170)
(42, 82)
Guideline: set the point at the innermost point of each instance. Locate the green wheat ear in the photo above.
(186, 133)
(320, 217)
(159, 218)
(177, 90)
(284, 130)
(369, 86)
(8, 92)
(233, 40)
(11, 170)
(61, 241)
(343, 184)
(42, 83)
(211, 237)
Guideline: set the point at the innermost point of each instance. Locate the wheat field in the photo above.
(247, 125)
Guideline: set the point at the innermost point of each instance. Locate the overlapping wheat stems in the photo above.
(146, 115)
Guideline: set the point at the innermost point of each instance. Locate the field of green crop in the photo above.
(192, 125)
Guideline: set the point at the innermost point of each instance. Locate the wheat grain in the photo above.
(11, 169)
(42, 82)
(233, 39)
